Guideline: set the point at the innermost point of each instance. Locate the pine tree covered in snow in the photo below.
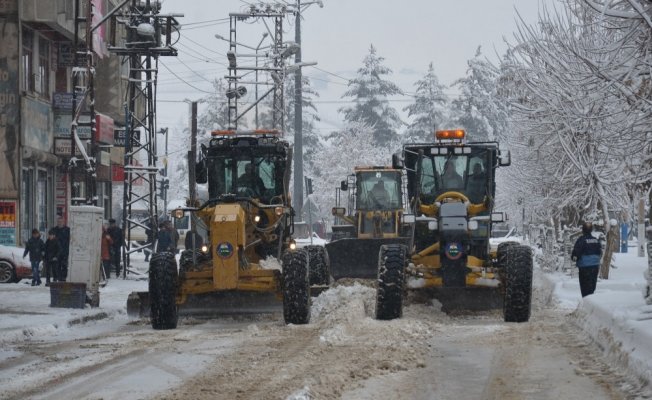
(370, 92)
(311, 139)
(352, 146)
(429, 109)
(215, 115)
(478, 109)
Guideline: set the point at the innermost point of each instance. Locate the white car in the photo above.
(13, 267)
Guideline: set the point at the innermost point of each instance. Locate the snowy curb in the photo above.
(622, 336)
(47, 329)
(625, 342)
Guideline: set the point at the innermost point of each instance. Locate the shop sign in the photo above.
(62, 147)
(61, 195)
(8, 222)
(36, 125)
(62, 101)
(104, 129)
(120, 135)
(62, 123)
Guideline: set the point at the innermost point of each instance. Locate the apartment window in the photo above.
(43, 78)
(27, 60)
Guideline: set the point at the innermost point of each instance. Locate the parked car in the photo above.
(13, 267)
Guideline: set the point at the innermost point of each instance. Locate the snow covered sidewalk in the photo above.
(616, 315)
(25, 312)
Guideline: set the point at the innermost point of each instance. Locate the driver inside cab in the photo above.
(250, 180)
(379, 195)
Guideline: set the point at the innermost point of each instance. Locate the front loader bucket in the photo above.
(357, 258)
(215, 304)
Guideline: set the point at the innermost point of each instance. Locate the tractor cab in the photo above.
(374, 218)
(251, 170)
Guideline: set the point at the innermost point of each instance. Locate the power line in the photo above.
(182, 80)
(204, 47)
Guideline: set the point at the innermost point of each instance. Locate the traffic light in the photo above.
(163, 186)
(308, 186)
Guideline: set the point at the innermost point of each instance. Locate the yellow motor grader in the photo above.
(248, 218)
(451, 187)
(375, 218)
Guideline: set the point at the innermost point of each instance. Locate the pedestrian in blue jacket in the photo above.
(587, 253)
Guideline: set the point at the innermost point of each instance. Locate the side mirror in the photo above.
(339, 211)
(344, 186)
(397, 162)
(201, 172)
(505, 158)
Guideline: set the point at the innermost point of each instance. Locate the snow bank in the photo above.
(616, 315)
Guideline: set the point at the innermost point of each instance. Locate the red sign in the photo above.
(104, 129)
(117, 173)
(8, 223)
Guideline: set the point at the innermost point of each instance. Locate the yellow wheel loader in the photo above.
(375, 218)
(451, 187)
(248, 218)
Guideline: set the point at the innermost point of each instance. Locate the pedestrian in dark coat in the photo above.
(62, 233)
(118, 238)
(587, 253)
(52, 255)
(165, 239)
(36, 249)
(199, 241)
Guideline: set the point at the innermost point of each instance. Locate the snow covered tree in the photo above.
(311, 139)
(215, 115)
(352, 146)
(429, 108)
(370, 92)
(478, 109)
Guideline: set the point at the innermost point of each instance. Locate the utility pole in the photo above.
(298, 119)
(192, 154)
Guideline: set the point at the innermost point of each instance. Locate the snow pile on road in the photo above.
(271, 263)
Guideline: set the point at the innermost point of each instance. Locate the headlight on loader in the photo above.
(293, 245)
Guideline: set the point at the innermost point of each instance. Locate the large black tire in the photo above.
(391, 277)
(7, 272)
(319, 265)
(501, 252)
(518, 283)
(296, 288)
(163, 280)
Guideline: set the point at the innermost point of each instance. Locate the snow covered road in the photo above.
(343, 353)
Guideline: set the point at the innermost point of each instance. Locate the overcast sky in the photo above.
(409, 34)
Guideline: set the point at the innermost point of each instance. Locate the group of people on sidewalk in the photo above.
(53, 253)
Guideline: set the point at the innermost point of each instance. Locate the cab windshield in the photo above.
(246, 176)
(466, 174)
(378, 190)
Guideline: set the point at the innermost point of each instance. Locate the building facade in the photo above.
(36, 61)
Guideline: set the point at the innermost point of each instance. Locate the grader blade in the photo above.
(357, 258)
(212, 304)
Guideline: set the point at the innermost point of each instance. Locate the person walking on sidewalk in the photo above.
(106, 251)
(587, 253)
(35, 248)
(52, 255)
(62, 233)
(117, 237)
